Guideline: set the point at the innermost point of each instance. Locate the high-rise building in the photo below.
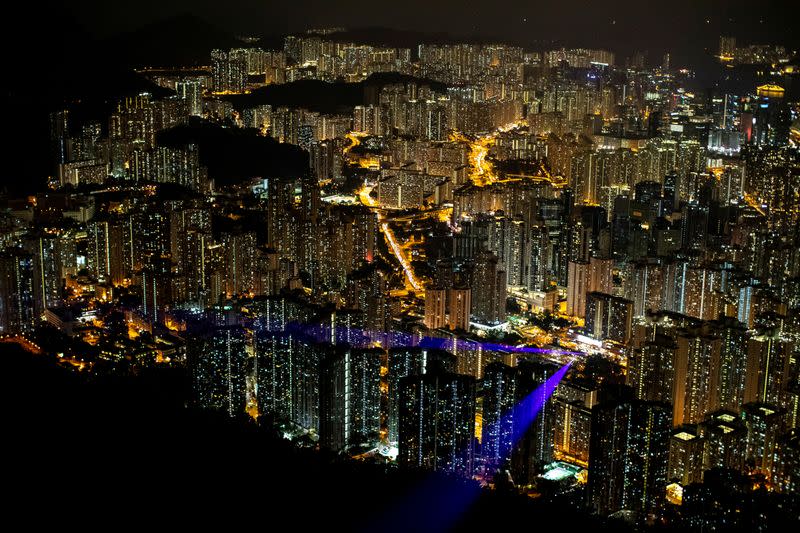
(536, 437)
(499, 399)
(671, 198)
(573, 402)
(305, 400)
(584, 277)
(695, 291)
(59, 134)
(600, 278)
(608, 317)
(274, 365)
(732, 364)
(410, 361)
(696, 377)
(229, 70)
(437, 422)
(350, 398)
(628, 455)
(768, 368)
(763, 423)
(651, 369)
(786, 465)
(218, 362)
(435, 308)
(725, 437)
(191, 91)
(106, 249)
(771, 118)
(239, 250)
(460, 300)
(47, 270)
(727, 48)
(16, 292)
(488, 290)
(686, 453)
(577, 287)
(288, 373)
(156, 279)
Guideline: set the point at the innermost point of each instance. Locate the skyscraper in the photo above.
(229, 70)
(499, 399)
(410, 361)
(309, 355)
(435, 308)
(573, 402)
(350, 398)
(725, 438)
(771, 117)
(488, 290)
(768, 364)
(628, 455)
(274, 369)
(686, 453)
(218, 362)
(47, 280)
(437, 422)
(651, 370)
(584, 277)
(156, 287)
(191, 92)
(608, 317)
(460, 299)
(786, 466)
(732, 364)
(536, 437)
(106, 260)
(577, 287)
(16, 292)
(696, 377)
(763, 425)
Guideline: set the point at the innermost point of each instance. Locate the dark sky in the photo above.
(625, 25)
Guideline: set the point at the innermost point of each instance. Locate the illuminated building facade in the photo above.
(437, 422)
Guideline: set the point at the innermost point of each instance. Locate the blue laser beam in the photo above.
(441, 505)
(359, 338)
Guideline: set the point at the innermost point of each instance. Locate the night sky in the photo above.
(683, 26)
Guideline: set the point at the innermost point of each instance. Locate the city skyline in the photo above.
(439, 279)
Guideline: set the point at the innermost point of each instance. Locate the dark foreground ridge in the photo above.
(124, 446)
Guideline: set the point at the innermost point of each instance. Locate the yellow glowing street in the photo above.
(412, 283)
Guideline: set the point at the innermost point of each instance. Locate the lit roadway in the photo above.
(355, 139)
(412, 281)
(25, 344)
(483, 172)
(32, 347)
(364, 162)
(752, 202)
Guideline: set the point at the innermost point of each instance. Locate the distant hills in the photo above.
(187, 40)
(234, 155)
(327, 97)
(183, 40)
